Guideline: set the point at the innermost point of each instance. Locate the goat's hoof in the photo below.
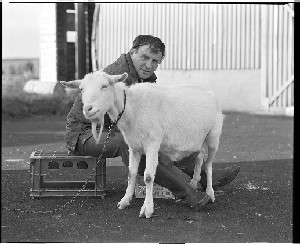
(211, 194)
(145, 212)
(122, 204)
(194, 183)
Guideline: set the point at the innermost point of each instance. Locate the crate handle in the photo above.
(67, 164)
(82, 165)
(53, 165)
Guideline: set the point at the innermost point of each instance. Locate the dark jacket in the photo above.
(77, 124)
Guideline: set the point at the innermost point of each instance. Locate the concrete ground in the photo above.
(256, 207)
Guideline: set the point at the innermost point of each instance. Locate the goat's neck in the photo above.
(118, 105)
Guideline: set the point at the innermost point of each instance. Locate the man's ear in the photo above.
(71, 84)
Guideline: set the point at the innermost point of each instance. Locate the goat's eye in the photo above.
(105, 86)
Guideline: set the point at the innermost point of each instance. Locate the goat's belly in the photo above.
(177, 148)
(175, 155)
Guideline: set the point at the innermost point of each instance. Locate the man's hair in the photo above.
(155, 44)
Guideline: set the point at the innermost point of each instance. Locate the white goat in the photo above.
(175, 120)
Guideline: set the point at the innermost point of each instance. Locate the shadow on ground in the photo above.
(256, 207)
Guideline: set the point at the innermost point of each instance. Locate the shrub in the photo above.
(13, 85)
(16, 104)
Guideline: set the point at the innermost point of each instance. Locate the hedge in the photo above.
(16, 104)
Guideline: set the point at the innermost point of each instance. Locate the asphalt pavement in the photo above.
(256, 207)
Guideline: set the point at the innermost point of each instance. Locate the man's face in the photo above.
(145, 62)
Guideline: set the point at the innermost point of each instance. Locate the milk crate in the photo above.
(55, 174)
(158, 191)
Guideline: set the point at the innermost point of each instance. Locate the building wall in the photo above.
(21, 66)
(214, 45)
(48, 53)
(197, 36)
(57, 47)
(238, 90)
(278, 56)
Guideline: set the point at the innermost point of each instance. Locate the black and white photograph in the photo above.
(147, 122)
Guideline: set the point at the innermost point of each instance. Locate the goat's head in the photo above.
(97, 90)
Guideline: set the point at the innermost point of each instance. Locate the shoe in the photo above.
(179, 184)
(220, 177)
(197, 202)
(202, 200)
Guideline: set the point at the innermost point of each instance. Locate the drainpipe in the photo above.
(80, 44)
(95, 38)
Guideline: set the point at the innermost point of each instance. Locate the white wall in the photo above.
(48, 57)
(236, 89)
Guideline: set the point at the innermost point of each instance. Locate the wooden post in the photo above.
(61, 41)
(80, 45)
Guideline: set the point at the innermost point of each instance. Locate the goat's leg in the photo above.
(134, 160)
(197, 169)
(212, 141)
(213, 144)
(149, 175)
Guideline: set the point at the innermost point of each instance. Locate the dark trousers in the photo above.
(116, 147)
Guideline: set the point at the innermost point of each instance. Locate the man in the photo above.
(140, 63)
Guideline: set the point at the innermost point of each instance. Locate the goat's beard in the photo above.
(97, 135)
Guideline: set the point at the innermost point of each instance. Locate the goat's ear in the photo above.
(116, 78)
(121, 78)
(71, 84)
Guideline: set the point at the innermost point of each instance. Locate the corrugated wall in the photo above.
(197, 36)
(278, 57)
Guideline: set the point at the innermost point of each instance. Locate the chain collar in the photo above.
(120, 114)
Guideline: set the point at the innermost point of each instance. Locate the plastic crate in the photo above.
(59, 174)
(158, 191)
